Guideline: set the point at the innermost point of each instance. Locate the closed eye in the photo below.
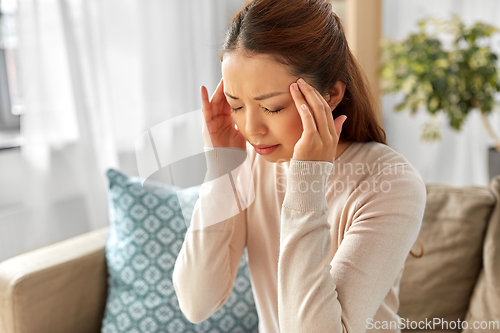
(266, 110)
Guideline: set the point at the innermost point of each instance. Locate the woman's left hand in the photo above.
(321, 133)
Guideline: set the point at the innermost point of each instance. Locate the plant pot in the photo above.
(493, 162)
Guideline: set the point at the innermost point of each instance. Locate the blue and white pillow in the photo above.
(146, 233)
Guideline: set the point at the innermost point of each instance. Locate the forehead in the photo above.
(254, 74)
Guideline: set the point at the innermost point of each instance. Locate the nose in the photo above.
(254, 125)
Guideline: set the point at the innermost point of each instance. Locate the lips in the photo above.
(267, 150)
(263, 146)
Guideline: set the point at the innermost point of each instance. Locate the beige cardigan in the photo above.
(327, 256)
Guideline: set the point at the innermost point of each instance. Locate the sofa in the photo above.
(63, 287)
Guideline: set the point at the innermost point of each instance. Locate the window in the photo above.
(9, 85)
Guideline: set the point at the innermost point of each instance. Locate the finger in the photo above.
(206, 106)
(217, 93)
(299, 100)
(339, 123)
(317, 108)
(226, 108)
(223, 106)
(328, 114)
(308, 122)
(217, 97)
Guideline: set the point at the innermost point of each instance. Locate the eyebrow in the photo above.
(259, 98)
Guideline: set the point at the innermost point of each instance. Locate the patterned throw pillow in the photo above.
(146, 233)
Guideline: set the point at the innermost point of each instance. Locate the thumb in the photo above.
(339, 122)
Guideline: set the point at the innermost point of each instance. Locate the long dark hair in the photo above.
(308, 36)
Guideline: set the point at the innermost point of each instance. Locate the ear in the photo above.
(335, 94)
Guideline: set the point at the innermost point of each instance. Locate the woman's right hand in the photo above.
(217, 113)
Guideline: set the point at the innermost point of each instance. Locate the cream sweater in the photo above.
(326, 241)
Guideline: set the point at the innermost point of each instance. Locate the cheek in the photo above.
(240, 123)
(292, 127)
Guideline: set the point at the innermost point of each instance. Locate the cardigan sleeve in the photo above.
(315, 295)
(207, 264)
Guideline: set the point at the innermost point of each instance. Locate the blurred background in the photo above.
(81, 80)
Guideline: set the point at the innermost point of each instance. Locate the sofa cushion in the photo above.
(440, 283)
(484, 306)
(146, 233)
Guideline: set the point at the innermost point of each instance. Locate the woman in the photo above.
(335, 212)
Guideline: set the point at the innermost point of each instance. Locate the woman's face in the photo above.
(254, 87)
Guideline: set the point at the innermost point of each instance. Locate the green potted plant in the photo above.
(447, 68)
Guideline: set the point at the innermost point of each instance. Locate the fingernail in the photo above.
(304, 107)
(301, 81)
(295, 86)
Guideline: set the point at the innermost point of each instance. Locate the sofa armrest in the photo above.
(58, 288)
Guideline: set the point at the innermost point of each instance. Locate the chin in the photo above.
(276, 159)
